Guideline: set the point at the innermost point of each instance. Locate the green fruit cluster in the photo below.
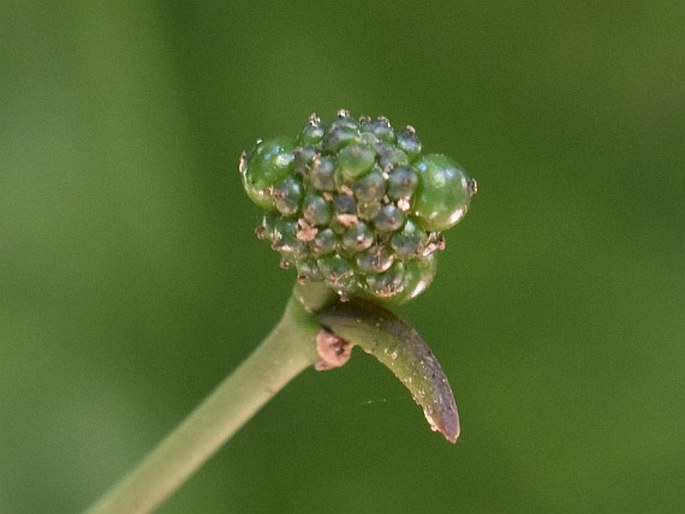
(356, 204)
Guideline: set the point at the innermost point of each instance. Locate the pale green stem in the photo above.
(286, 351)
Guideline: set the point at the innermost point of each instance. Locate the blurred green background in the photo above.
(131, 282)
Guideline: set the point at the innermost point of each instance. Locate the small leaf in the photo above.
(400, 348)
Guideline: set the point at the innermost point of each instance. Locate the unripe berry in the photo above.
(390, 156)
(286, 242)
(357, 237)
(386, 284)
(418, 275)
(380, 128)
(370, 188)
(313, 132)
(409, 242)
(308, 269)
(287, 196)
(267, 165)
(402, 182)
(408, 142)
(344, 131)
(389, 219)
(355, 160)
(444, 192)
(338, 272)
(316, 210)
(324, 242)
(322, 174)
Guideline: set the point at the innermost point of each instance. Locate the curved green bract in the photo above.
(444, 193)
(265, 167)
(400, 348)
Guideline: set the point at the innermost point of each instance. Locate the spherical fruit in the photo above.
(265, 167)
(443, 194)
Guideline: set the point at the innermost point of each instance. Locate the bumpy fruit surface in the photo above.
(356, 204)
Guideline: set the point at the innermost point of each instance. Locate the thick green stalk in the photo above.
(286, 351)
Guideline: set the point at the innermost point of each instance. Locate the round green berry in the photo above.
(386, 284)
(368, 210)
(341, 135)
(418, 275)
(265, 230)
(308, 269)
(408, 142)
(313, 132)
(344, 204)
(287, 196)
(265, 167)
(443, 194)
(355, 160)
(337, 272)
(376, 259)
(402, 182)
(389, 156)
(322, 173)
(380, 128)
(316, 210)
(389, 218)
(357, 237)
(370, 188)
(409, 242)
(285, 240)
(324, 242)
(303, 156)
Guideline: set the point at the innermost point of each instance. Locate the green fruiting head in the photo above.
(356, 205)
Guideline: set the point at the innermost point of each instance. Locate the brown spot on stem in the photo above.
(333, 351)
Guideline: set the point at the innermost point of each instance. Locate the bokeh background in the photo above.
(131, 282)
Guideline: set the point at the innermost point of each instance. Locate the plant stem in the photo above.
(284, 353)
